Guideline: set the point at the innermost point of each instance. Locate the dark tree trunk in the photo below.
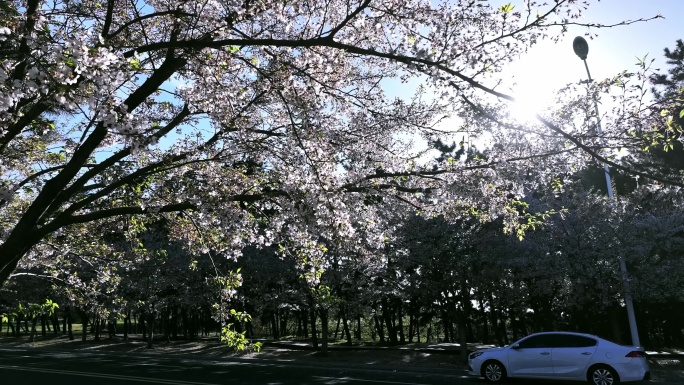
(10, 325)
(150, 331)
(174, 323)
(378, 327)
(465, 315)
(143, 326)
(299, 324)
(84, 324)
(274, 326)
(400, 317)
(55, 324)
(34, 321)
(126, 324)
(324, 331)
(96, 326)
(19, 317)
(282, 331)
(68, 320)
(166, 324)
(615, 316)
(186, 325)
(337, 326)
(358, 328)
(387, 317)
(314, 334)
(112, 329)
(345, 325)
(485, 323)
(446, 324)
(411, 325)
(305, 324)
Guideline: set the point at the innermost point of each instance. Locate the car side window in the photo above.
(541, 341)
(572, 341)
(583, 342)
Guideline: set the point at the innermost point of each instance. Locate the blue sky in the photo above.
(547, 67)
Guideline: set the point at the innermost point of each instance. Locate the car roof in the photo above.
(563, 332)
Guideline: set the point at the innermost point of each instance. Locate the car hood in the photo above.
(491, 350)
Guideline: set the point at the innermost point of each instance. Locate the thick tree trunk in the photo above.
(299, 324)
(150, 332)
(174, 322)
(485, 323)
(282, 330)
(84, 323)
(19, 316)
(412, 324)
(305, 324)
(324, 331)
(55, 323)
(186, 325)
(378, 327)
(14, 248)
(337, 325)
(345, 325)
(68, 320)
(387, 318)
(126, 324)
(274, 326)
(314, 335)
(465, 315)
(446, 323)
(400, 318)
(358, 327)
(33, 328)
(10, 325)
(143, 326)
(96, 327)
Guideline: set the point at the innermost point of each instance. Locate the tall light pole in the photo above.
(581, 48)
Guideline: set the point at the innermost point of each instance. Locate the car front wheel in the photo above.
(493, 372)
(602, 375)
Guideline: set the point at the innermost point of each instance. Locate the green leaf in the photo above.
(135, 64)
(681, 114)
(506, 8)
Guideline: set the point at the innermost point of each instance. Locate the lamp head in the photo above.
(581, 48)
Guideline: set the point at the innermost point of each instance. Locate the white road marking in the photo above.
(364, 380)
(109, 376)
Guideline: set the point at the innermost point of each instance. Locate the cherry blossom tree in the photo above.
(116, 108)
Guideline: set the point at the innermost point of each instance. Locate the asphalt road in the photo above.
(19, 366)
(31, 366)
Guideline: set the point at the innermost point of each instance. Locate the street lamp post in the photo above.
(581, 48)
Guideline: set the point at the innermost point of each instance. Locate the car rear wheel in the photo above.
(493, 372)
(603, 375)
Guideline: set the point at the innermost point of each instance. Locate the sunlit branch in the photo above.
(42, 276)
(603, 159)
(349, 18)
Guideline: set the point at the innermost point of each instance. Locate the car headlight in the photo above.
(475, 355)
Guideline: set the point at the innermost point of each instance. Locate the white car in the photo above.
(562, 356)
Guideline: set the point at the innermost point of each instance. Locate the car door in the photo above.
(531, 357)
(572, 355)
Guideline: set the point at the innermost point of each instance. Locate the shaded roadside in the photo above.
(428, 357)
(414, 356)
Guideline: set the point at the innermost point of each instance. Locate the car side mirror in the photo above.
(515, 346)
